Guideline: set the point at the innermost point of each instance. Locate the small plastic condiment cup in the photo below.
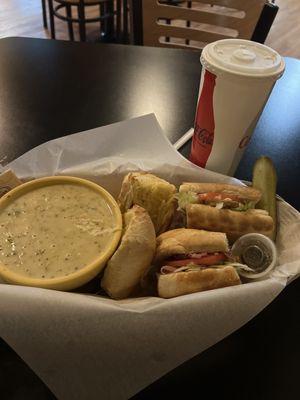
(258, 252)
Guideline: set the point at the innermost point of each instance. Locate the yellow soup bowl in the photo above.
(81, 220)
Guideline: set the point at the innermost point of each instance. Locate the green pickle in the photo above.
(265, 179)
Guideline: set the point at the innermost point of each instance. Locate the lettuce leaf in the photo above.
(185, 198)
(244, 207)
(191, 267)
(240, 267)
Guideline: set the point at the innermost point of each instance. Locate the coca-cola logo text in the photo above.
(204, 135)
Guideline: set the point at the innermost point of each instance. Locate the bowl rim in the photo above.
(92, 268)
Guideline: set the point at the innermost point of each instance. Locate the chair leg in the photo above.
(44, 14)
(188, 23)
(70, 23)
(51, 17)
(110, 19)
(264, 22)
(81, 17)
(118, 23)
(125, 21)
(102, 24)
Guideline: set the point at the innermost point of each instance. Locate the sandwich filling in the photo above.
(198, 261)
(180, 262)
(224, 199)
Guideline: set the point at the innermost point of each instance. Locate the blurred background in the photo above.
(25, 18)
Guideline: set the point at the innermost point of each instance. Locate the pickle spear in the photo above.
(265, 179)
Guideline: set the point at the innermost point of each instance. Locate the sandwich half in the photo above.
(224, 208)
(154, 194)
(133, 256)
(191, 260)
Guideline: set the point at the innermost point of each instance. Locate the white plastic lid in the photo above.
(267, 248)
(242, 57)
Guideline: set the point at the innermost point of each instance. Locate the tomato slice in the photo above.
(210, 259)
(215, 196)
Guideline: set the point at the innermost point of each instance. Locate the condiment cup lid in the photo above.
(258, 252)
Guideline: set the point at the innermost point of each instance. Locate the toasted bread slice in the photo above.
(180, 283)
(153, 194)
(133, 256)
(233, 223)
(185, 241)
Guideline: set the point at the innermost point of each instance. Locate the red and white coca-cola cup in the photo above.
(237, 79)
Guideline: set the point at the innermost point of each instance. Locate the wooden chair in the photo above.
(196, 23)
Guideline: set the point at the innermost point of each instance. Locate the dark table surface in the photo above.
(49, 89)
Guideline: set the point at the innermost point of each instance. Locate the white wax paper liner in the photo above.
(91, 347)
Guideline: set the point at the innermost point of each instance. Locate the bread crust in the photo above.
(245, 192)
(133, 256)
(152, 193)
(180, 283)
(184, 241)
(233, 223)
(8, 181)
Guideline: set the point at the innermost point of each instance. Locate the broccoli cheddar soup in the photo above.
(55, 230)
